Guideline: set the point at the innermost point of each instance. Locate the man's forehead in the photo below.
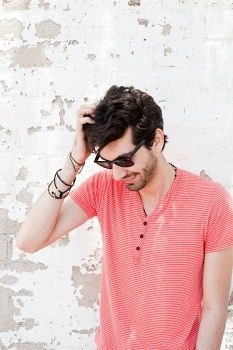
(118, 147)
(114, 149)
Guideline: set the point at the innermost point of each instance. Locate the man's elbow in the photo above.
(25, 248)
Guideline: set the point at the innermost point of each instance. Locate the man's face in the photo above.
(137, 176)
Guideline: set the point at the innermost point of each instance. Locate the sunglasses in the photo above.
(124, 161)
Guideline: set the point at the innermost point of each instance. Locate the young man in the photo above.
(167, 233)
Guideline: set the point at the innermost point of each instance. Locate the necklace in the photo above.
(175, 169)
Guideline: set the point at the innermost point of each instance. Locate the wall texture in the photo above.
(56, 55)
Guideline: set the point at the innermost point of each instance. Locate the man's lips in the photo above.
(129, 179)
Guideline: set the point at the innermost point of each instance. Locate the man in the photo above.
(167, 233)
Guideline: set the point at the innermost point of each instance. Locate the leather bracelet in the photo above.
(72, 160)
(58, 194)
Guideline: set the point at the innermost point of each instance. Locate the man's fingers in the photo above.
(85, 120)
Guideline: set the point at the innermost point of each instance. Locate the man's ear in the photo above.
(159, 140)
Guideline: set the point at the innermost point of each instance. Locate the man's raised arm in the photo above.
(52, 217)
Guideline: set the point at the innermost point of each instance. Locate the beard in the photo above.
(146, 175)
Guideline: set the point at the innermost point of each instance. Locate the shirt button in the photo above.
(138, 248)
(141, 236)
(145, 223)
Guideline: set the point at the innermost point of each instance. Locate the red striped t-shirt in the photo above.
(152, 266)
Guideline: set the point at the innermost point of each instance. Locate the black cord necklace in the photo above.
(175, 168)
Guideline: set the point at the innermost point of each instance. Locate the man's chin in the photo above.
(135, 186)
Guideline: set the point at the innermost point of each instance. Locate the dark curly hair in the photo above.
(120, 108)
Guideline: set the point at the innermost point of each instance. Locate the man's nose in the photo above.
(118, 172)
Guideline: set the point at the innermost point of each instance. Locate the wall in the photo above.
(55, 56)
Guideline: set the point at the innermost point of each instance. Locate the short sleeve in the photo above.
(87, 195)
(219, 228)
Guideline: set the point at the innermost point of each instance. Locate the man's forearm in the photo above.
(211, 329)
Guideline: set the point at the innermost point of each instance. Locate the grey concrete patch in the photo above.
(143, 22)
(166, 29)
(23, 173)
(30, 346)
(25, 197)
(91, 286)
(59, 102)
(11, 5)
(12, 28)
(134, 3)
(33, 129)
(8, 279)
(29, 56)
(203, 174)
(47, 29)
(7, 226)
(8, 310)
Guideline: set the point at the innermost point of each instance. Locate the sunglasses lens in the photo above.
(124, 162)
(105, 164)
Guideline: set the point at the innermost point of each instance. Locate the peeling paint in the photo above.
(203, 174)
(2, 347)
(134, 3)
(8, 279)
(23, 173)
(84, 331)
(70, 128)
(8, 132)
(94, 261)
(90, 289)
(11, 5)
(114, 55)
(7, 226)
(91, 56)
(166, 29)
(25, 265)
(47, 29)
(8, 310)
(30, 346)
(69, 102)
(231, 299)
(44, 113)
(27, 56)
(5, 88)
(59, 102)
(25, 197)
(167, 50)
(3, 196)
(44, 5)
(73, 42)
(32, 129)
(63, 241)
(67, 8)
(50, 127)
(11, 28)
(143, 21)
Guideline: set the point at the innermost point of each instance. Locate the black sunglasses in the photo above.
(120, 161)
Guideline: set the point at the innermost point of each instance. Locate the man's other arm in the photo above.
(216, 288)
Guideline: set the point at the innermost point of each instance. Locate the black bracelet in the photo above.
(75, 160)
(63, 180)
(59, 194)
(72, 162)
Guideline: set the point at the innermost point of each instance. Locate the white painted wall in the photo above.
(55, 56)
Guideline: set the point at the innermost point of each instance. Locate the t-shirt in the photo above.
(152, 266)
